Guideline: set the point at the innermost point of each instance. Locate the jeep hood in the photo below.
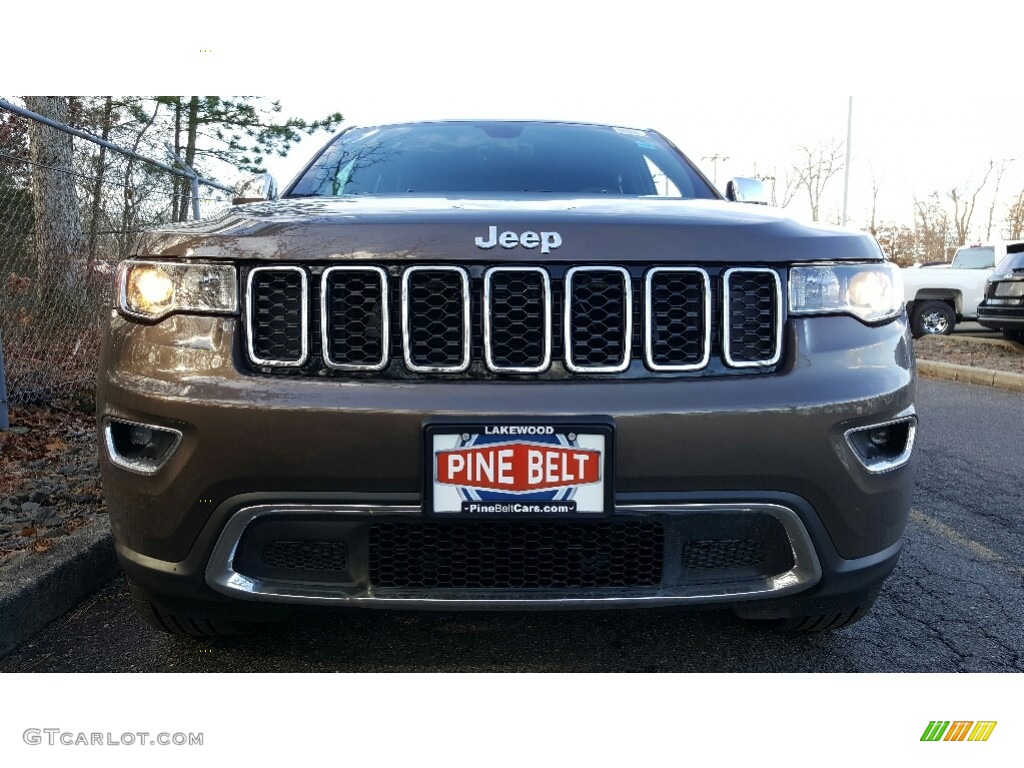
(591, 229)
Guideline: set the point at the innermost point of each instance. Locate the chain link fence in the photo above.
(51, 324)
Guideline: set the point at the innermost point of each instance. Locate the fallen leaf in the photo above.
(56, 445)
(26, 531)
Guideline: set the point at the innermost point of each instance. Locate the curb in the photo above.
(984, 376)
(37, 590)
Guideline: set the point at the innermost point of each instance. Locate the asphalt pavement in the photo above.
(969, 328)
(954, 604)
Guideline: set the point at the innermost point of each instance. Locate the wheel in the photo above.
(932, 318)
(175, 623)
(823, 618)
(1012, 335)
(820, 622)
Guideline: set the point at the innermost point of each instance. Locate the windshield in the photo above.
(978, 257)
(1014, 262)
(501, 157)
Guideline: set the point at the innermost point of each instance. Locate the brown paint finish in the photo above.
(252, 436)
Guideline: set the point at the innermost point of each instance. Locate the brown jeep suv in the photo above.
(506, 365)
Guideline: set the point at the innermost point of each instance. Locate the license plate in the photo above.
(537, 469)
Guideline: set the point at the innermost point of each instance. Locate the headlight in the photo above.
(151, 290)
(869, 292)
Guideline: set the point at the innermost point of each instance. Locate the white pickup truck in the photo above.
(939, 297)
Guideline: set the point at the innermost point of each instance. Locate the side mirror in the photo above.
(743, 190)
(255, 189)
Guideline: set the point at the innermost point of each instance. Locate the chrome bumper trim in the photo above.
(135, 465)
(881, 466)
(221, 576)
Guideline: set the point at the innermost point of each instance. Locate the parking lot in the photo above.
(953, 605)
(968, 328)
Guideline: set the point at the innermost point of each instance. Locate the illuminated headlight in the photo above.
(869, 292)
(151, 290)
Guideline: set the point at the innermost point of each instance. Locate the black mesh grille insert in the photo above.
(515, 555)
(306, 555)
(723, 553)
(276, 315)
(598, 317)
(752, 313)
(678, 320)
(518, 331)
(355, 303)
(435, 303)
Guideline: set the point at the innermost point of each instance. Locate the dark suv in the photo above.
(1003, 306)
(506, 365)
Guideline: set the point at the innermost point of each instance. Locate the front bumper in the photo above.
(1002, 316)
(250, 441)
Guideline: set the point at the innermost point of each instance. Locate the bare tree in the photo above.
(1000, 170)
(789, 188)
(817, 165)
(874, 200)
(1015, 218)
(60, 244)
(964, 202)
(932, 229)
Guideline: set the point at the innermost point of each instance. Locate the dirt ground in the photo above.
(49, 479)
(972, 352)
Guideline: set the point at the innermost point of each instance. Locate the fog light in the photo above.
(140, 448)
(880, 437)
(884, 447)
(140, 436)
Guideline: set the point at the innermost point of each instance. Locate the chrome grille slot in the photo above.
(436, 319)
(598, 319)
(277, 312)
(517, 319)
(752, 334)
(354, 323)
(677, 335)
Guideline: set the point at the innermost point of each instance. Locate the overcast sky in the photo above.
(935, 95)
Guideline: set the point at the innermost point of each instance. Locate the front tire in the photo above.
(932, 318)
(822, 617)
(188, 621)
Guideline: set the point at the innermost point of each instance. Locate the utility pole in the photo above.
(714, 164)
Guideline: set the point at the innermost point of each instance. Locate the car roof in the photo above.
(473, 121)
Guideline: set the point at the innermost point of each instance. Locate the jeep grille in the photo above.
(547, 322)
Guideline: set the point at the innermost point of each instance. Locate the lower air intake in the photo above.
(727, 553)
(306, 555)
(515, 555)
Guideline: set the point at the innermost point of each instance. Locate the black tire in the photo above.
(824, 622)
(827, 620)
(1013, 335)
(932, 318)
(174, 623)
